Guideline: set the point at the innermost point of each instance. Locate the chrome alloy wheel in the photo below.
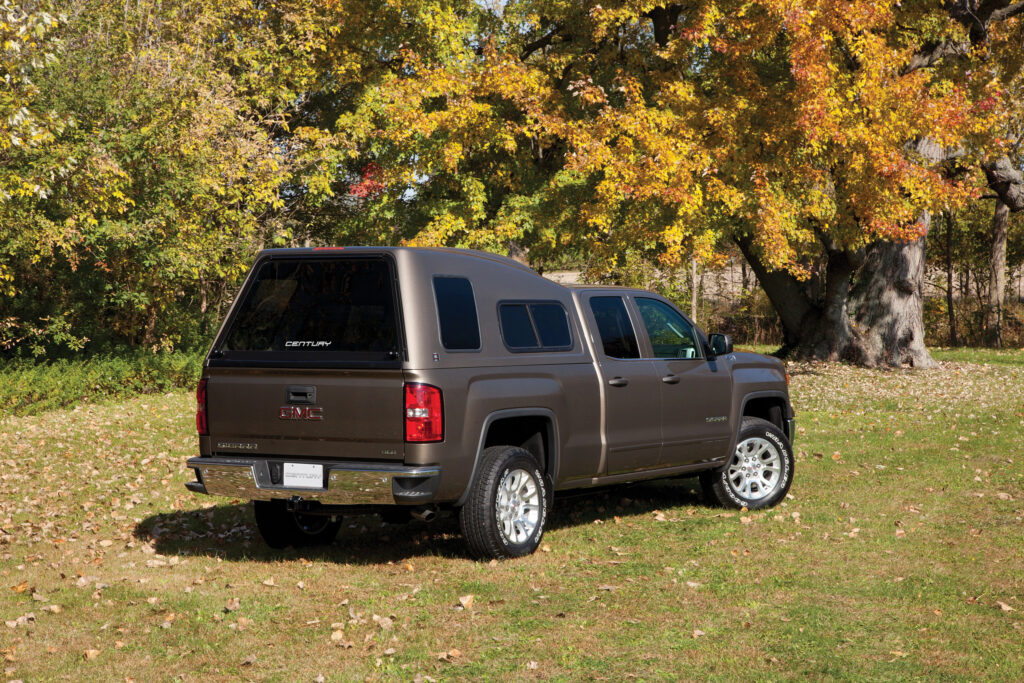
(756, 469)
(518, 506)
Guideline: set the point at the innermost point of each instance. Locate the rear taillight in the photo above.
(201, 426)
(424, 414)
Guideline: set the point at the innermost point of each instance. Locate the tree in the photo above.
(817, 137)
(26, 50)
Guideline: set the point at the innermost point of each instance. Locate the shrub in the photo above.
(28, 386)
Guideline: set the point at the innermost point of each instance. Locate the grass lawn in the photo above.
(899, 554)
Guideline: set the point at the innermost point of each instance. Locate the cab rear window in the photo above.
(337, 309)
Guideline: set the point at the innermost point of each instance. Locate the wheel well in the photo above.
(769, 408)
(530, 432)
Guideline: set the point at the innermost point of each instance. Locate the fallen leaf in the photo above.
(607, 587)
(249, 661)
(232, 605)
(338, 636)
(91, 654)
(697, 633)
(466, 601)
(531, 665)
(21, 587)
(269, 582)
(1004, 607)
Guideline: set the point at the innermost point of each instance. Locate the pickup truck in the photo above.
(406, 381)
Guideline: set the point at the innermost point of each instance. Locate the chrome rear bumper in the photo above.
(345, 483)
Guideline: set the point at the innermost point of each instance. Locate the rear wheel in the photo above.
(759, 472)
(508, 505)
(281, 527)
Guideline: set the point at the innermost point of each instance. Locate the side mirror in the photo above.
(720, 344)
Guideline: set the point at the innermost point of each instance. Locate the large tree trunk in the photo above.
(864, 306)
(888, 306)
(997, 276)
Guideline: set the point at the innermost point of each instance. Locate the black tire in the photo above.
(763, 450)
(281, 528)
(505, 469)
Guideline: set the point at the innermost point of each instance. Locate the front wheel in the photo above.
(760, 471)
(508, 505)
(281, 527)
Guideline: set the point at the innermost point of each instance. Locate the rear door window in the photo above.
(456, 314)
(303, 308)
(614, 327)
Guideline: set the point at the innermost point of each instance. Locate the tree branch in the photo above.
(933, 53)
(1008, 12)
(541, 42)
(1006, 181)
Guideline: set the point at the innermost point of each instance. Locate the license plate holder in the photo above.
(300, 475)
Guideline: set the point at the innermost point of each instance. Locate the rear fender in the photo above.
(551, 454)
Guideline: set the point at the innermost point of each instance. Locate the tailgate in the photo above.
(336, 414)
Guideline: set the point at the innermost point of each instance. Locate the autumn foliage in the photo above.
(175, 141)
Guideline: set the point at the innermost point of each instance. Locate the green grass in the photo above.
(902, 536)
(30, 387)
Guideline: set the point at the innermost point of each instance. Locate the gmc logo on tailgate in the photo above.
(300, 413)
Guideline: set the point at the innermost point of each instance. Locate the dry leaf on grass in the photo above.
(1004, 607)
(450, 655)
(90, 654)
(466, 601)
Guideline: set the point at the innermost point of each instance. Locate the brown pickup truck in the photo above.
(405, 381)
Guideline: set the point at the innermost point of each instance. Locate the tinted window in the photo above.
(456, 312)
(535, 326)
(671, 335)
(552, 325)
(331, 307)
(516, 328)
(613, 325)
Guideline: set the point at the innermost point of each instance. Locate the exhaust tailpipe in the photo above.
(424, 513)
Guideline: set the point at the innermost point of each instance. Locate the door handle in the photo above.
(670, 379)
(618, 381)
